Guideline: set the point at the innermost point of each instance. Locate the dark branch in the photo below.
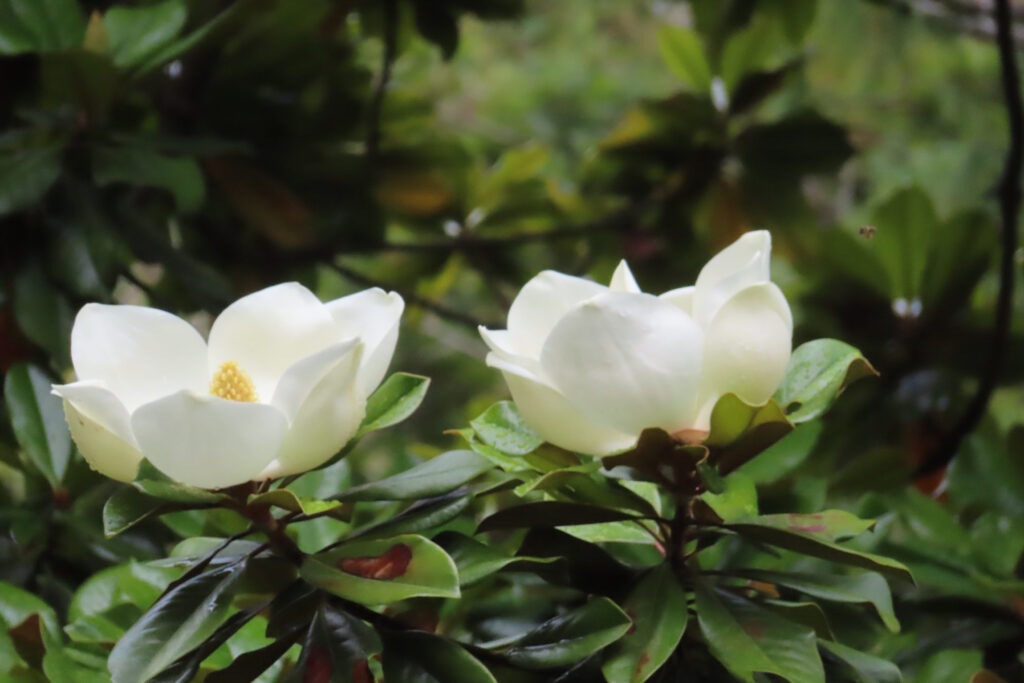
(960, 16)
(390, 38)
(1009, 206)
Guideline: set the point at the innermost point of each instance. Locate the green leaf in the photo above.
(181, 176)
(657, 606)
(804, 543)
(950, 666)
(126, 508)
(759, 46)
(180, 620)
(421, 517)
(818, 372)
(866, 587)
(26, 175)
(502, 426)
(393, 401)
(833, 525)
(43, 314)
(566, 639)
(784, 456)
(37, 418)
(476, 561)
(550, 514)
(136, 33)
(740, 432)
(747, 638)
(439, 475)
(738, 501)
(155, 483)
(289, 500)
(683, 51)
(383, 571)
(39, 26)
(866, 668)
(133, 584)
(419, 657)
(338, 647)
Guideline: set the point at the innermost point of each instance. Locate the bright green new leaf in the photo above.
(738, 501)
(818, 372)
(502, 427)
(393, 401)
(683, 51)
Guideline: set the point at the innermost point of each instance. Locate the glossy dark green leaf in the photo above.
(809, 544)
(156, 484)
(126, 508)
(136, 33)
(39, 25)
(382, 571)
(657, 606)
(863, 667)
(419, 657)
(393, 401)
(337, 648)
(439, 475)
(250, 665)
(867, 587)
(27, 175)
(567, 639)
(476, 561)
(747, 638)
(550, 514)
(421, 517)
(181, 176)
(818, 372)
(502, 426)
(182, 619)
(37, 419)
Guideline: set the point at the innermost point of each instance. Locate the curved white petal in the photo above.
(265, 332)
(138, 353)
(748, 345)
(101, 428)
(743, 263)
(321, 396)
(623, 280)
(681, 298)
(207, 441)
(557, 421)
(540, 304)
(373, 316)
(628, 361)
(498, 341)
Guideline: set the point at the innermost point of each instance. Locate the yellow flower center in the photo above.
(233, 383)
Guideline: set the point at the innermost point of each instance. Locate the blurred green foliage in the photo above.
(180, 154)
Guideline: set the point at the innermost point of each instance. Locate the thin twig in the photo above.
(414, 299)
(390, 37)
(1009, 205)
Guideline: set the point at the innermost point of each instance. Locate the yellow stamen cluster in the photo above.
(233, 383)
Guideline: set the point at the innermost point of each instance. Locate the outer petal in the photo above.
(499, 341)
(623, 280)
(139, 353)
(681, 298)
(743, 263)
(551, 415)
(629, 361)
(748, 345)
(540, 304)
(320, 394)
(373, 316)
(207, 441)
(101, 428)
(265, 332)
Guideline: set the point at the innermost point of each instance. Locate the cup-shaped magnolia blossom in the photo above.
(279, 388)
(590, 367)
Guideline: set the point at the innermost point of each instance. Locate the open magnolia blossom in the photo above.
(590, 367)
(279, 388)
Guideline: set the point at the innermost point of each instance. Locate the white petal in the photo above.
(551, 415)
(623, 280)
(138, 353)
(373, 316)
(499, 341)
(681, 298)
(100, 426)
(748, 345)
(743, 263)
(206, 441)
(265, 332)
(540, 304)
(321, 396)
(628, 361)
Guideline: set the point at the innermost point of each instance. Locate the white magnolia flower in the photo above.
(590, 367)
(279, 388)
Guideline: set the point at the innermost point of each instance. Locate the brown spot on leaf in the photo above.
(384, 567)
(765, 588)
(809, 528)
(754, 629)
(318, 666)
(632, 619)
(361, 672)
(641, 665)
(28, 640)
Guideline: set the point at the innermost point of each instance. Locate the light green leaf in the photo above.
(683, 51)
(393, 401)
(867, 668)
(502, 427)
(818, 372)
(135, 33)
(739, 500)
(126, 508)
